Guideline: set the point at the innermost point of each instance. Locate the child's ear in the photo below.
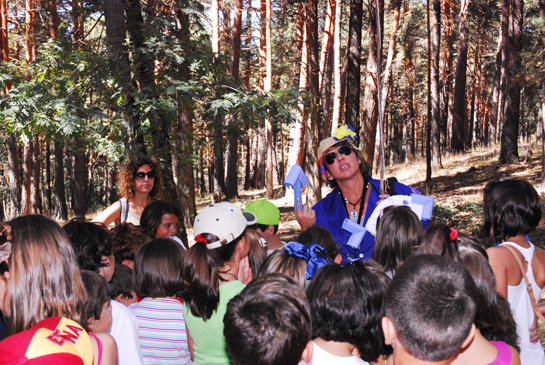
(338, 259)
(389, 330)
(307, 352)
(470, 337)
(92, 324)
(270, 230)
(120, 298)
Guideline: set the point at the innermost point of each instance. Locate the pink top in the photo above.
(99, 344)
(504, 353)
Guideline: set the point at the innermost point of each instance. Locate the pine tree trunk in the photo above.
(182, 167)
(80, 162)
(353, 73)
(14, 177)
(494, 106)
(35, 198)
(231, 178)
(459, 108)
(326, 70)
(505, 54)
(116, 29)
(446, 74)
(435, 103)
(300, 45)
(511, 117)
(369, 115)
(337, 101)
(61, 211)
(269, 178)
(47, 187)
(26, 207)
(314, 191)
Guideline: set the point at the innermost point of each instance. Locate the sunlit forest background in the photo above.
(229, 94)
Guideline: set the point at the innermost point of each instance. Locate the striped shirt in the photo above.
(162, 332)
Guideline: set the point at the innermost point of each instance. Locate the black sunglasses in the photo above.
(332, 156)
(141, 175)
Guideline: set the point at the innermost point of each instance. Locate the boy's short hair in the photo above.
(347, 305)
(122, 283)
(158, 269)
(264, 227)
(90, 242)
(98, 293)
(431, 305)
(127, 239)
(268, 322)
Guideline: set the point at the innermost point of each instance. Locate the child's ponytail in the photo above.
(202, 274)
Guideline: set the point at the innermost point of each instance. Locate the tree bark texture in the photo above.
(269, 178)
(314, 191)
(459, 108)
(435, 103)
(494, 104)
(116, 29)
(182, 167)
(353, 73)
(511, 116)
(370, 106)
(35, 197)
(80, 161)
(337, 101)
(14, 179)
(61, 211)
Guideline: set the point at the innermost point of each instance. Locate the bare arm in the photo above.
(499, 263)
(190, 344)
(109, 215)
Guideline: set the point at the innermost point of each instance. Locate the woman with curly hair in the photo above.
(139, 183)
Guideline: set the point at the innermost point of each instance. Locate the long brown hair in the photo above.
(44, 276)
(202, 274)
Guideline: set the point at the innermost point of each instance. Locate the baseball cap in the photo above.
(53, 341)
(266, 212)
(225, 220)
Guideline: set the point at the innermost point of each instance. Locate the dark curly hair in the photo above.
(127, 239)
(126, 176)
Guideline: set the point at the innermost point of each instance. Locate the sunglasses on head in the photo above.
(332, 156)
(142, 175)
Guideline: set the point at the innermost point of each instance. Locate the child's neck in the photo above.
(402, 357)
(519, 240)
(340, 349)
(480, 351)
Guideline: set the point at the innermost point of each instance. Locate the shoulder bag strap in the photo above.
(528, 285)
(124, 203)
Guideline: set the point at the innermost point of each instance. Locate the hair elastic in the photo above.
(200, 238)
(453, 234)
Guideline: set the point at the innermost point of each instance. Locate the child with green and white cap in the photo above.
(213, 272)
(268, 219)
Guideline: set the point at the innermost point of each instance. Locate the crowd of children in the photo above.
(239, 295)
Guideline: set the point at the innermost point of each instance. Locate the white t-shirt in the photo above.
(322, 357)
(125, 332)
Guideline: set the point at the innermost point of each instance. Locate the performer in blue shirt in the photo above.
(355, 194)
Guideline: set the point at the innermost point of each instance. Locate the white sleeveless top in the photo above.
(523, 313)
(125, 214)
